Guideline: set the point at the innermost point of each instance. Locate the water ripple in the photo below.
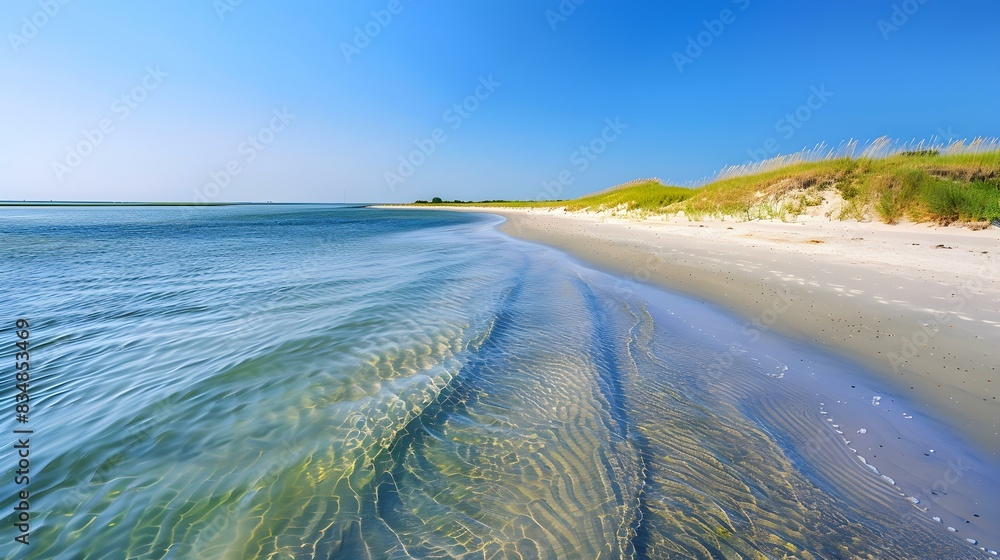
(316, 382)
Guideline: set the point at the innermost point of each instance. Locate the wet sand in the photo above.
(878, 345)
(917, 305)
(850, 433)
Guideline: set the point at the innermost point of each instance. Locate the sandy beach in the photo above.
(901, 410)
(916, 304)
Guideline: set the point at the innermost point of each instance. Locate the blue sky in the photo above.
(230, 100)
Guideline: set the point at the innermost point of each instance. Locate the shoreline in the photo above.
(916, 305)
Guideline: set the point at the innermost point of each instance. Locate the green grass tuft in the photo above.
(644, 197)
(973, 202)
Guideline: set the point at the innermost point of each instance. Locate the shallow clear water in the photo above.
(324, 382)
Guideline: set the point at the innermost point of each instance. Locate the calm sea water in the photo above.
(324, 382)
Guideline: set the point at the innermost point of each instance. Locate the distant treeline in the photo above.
(437, 200)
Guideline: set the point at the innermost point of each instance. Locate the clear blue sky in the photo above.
(199, 80)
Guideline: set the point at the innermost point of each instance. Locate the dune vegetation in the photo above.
(957, 183)
(918, 187)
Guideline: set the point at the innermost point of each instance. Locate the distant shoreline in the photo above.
(35, 203)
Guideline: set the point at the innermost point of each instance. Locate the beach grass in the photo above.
(917, 187)
(888, 182)
(649, 195)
